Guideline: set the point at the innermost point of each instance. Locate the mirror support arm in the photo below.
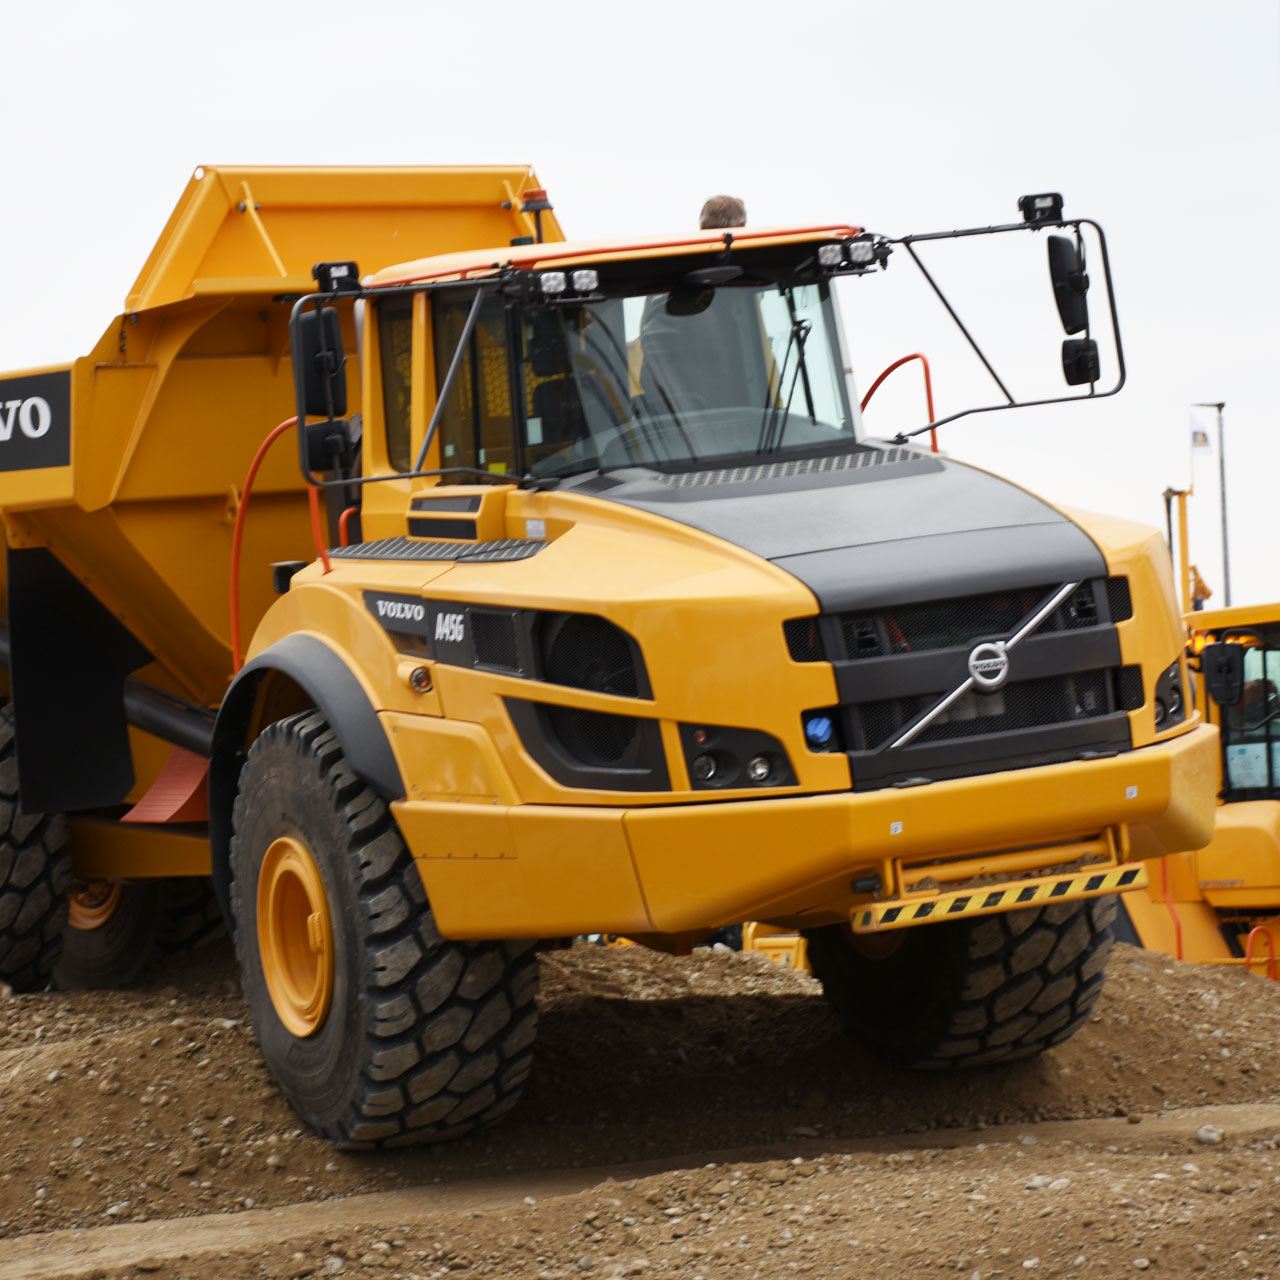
(942, 297)
(450, 378)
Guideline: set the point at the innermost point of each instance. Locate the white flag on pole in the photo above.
(1200, 442)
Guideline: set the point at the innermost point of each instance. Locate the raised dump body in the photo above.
(122, 471)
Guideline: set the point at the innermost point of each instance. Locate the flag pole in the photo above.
(1219, 405)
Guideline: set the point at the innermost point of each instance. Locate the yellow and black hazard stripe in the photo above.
(895, 913)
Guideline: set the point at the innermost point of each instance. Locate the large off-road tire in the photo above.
(967, 993)
(111, 933)
(379, 1030)
(35, 873)
(192, 916)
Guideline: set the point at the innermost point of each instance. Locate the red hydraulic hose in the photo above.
(344, 523)
(237, 534)
(928, 388)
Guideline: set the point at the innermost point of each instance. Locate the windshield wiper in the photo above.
(771, 439)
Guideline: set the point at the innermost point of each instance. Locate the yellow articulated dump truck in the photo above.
(530, 589)
(1221, 904)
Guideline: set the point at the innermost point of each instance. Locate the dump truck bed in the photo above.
(126, 465)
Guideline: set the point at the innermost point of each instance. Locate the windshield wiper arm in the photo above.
(770, 441)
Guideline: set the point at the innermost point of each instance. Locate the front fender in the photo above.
(335, 691)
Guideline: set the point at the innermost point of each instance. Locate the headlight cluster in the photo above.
(718, 758)
(580, 280)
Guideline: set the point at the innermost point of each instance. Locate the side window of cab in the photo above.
(395, 349)
(477, 427)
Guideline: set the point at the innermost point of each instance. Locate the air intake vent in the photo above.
(598, 484)
(1129, 690)
(586, 652)
(798, 467)
(494, 638)
(593, 737)
(803, 642)
(1119, 601)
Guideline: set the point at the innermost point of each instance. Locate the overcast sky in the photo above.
(1161, 120)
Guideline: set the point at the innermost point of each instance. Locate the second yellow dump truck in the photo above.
(531, 588)
(1221, 904)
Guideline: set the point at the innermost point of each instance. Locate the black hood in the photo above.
(880, 526)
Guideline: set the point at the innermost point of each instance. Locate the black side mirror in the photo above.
(1070, 283)
(1080, 362)
(319, 371)
(1223, 667)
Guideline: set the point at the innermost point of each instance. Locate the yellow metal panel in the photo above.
(105, 850)
(448, 759)
(1154, 924)
(294, 217)
(762, 859)
(532, 872)
(1241, 867)
(1154, 637)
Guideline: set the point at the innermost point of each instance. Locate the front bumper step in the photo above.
(952, 904)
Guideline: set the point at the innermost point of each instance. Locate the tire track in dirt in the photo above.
(150, 1111)
(76, 1253)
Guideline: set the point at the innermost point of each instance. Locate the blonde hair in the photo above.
(722, 211)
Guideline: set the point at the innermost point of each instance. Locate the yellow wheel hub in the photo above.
(295, 936)
(94, 904)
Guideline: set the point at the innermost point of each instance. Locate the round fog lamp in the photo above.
(703, 768)
(759, 768)
(1162, 712)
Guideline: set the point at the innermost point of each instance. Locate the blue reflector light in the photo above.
(819, 732)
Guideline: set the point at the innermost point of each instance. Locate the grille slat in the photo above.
(964, 620)
(1031, 704)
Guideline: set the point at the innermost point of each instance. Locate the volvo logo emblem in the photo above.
(989, 664)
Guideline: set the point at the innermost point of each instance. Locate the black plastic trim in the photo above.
(732, 748)
(449, 502)
(972, 756)
(337, 694)
(445, 527)
(645, 770)
(904, 675)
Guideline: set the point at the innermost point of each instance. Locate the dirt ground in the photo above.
(699, 1117)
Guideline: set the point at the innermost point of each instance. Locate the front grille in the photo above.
(1064, 698)
(1031, 704)
(964, 620)
(803, 641)
(1129, 688)
(1119, 600)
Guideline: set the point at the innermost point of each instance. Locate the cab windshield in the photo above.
(681, 378)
